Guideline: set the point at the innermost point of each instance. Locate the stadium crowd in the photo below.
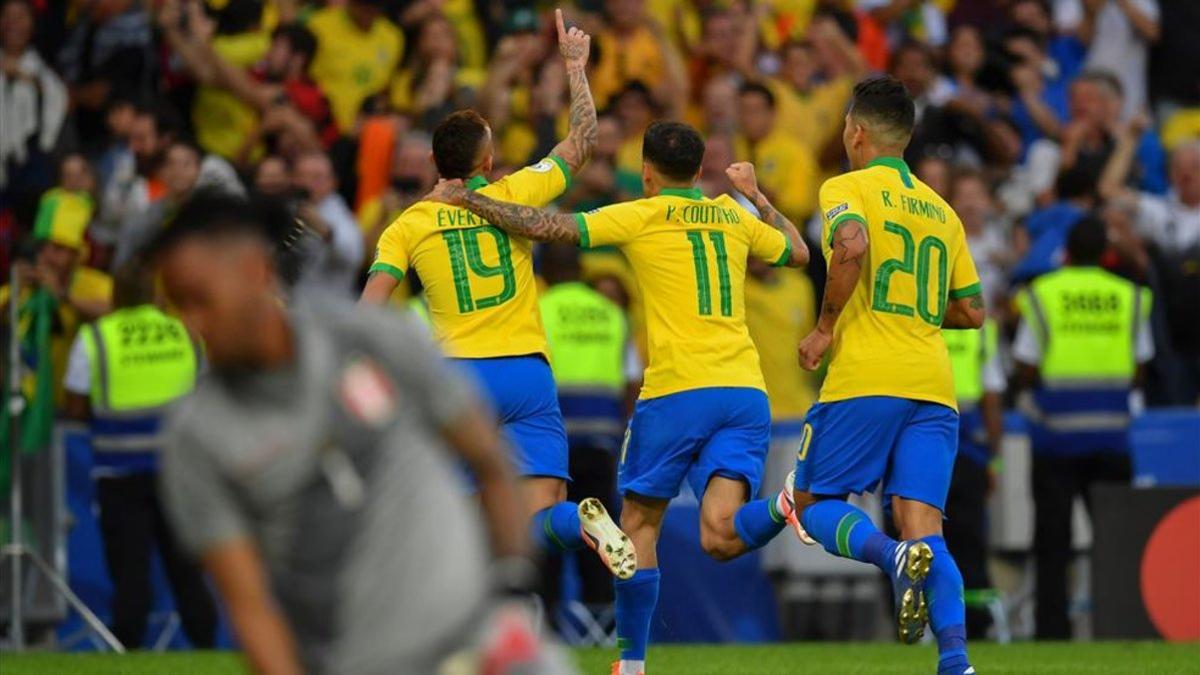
(1032, 115)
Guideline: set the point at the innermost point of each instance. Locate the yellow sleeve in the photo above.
(611, 225)
(535, 185)
(391, 254)
(964, 280)
(841, 201)
(766, 243)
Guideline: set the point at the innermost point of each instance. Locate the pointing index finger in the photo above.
(558, 20)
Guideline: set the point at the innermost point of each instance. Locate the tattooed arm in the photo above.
(741, 174)
(576, 149)
(523, 221)
(965, 313)
(845, 268)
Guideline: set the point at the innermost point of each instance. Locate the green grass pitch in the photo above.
(790, 659)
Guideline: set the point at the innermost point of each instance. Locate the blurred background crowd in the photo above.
(1032, 114)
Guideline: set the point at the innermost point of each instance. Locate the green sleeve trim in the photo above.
(786, 256)
(562, 164)
(390, 270)
(585, 241)
(966, 291)
(841, 219)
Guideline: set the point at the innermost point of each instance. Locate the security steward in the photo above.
(1083, 339)
(123, 373)
(589, 340)
(979, 387)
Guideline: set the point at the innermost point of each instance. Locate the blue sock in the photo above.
(556, 528)
(947, 611)
(844, 530)
(636, 598)
(758, 522)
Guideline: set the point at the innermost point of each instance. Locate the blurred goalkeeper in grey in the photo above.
(312, 471)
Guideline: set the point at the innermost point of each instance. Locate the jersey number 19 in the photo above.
(463, 246)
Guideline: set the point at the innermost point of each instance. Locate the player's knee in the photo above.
(719, 546)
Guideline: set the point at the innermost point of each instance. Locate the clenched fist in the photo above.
(741, 174)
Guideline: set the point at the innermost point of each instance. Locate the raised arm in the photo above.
(849, 248)
(576, 149)
(523, 221)
(1116, 170)
(741, 174)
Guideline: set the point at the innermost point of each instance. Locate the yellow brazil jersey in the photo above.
(787, 171)
(813, 117)
(779, 312)
(351, 65)
(222, 121)
(623, 59)
(478, 280)
(689, 255)
(888, 339)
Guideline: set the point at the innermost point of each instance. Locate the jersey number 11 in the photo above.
(703, 284)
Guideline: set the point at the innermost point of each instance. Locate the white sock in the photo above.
(781, 504)
(633, 667)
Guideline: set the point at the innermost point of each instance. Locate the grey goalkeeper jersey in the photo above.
(333, 465)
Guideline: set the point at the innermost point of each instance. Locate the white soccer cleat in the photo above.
(608, 541)
(789, 487)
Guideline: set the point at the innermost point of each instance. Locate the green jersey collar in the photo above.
(686, 193)
(894, 163)
(476, 182)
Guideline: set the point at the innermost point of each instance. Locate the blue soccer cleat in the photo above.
(913, 560)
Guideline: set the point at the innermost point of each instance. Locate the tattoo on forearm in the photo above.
(524, 221)
(977, 302)
(842, 247)
(576, 148)
(769, 213)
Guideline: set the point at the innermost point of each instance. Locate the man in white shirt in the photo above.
(1119, 34)
(333, 255)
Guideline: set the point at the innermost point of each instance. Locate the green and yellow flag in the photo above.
(36, 317)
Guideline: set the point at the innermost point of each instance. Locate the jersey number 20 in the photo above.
(464, 255)
(883, 276)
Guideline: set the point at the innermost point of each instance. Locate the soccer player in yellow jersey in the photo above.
(703, 414)
(483, 304)
(899, 272)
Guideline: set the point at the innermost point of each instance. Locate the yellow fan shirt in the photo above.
(888, 340)
(689, 255)
(779, 313)
(352, 65)
(479, 281)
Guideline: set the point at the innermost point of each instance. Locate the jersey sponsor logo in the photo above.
(543, 166)
(367, 393)
(832, 213)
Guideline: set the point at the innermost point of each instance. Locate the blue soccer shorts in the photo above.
(522, 394)
(695, 434)
(852, 446)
